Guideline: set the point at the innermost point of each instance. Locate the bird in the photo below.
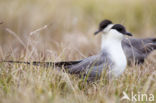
(111, 58)
(136, 50)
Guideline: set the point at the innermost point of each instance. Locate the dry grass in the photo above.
(55, 30)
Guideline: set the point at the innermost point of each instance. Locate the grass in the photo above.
(59, 30)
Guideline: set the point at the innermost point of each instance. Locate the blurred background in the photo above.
(63, 29)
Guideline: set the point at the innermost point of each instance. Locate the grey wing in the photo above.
(138, 49)
(93, 65)
(149, 44)
(145, 44)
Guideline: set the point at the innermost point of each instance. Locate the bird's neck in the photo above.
(109, 42)
(117, 55)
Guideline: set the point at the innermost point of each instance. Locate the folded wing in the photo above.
(137, 50)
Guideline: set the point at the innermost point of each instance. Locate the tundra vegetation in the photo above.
(59, 30)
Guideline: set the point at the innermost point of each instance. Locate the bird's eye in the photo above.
(120, 29)
(102, 26)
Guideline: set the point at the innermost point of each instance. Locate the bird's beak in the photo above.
(129, 34)
(97, 32)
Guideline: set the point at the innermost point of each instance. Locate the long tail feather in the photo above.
(47, 64)
(67, 63)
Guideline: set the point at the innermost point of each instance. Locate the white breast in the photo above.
(117, 55)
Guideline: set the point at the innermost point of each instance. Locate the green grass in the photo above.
(68, 36)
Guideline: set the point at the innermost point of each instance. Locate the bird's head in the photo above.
(117, 31)
(107, 28)
(104, 26)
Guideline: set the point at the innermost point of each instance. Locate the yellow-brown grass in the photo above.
(56, 30)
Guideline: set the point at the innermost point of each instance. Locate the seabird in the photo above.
(111, 58)
(135, 50)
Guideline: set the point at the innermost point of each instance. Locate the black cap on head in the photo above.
(120, 28)
(103, 25)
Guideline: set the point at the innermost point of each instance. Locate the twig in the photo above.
(15, 35)
(38, 30)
